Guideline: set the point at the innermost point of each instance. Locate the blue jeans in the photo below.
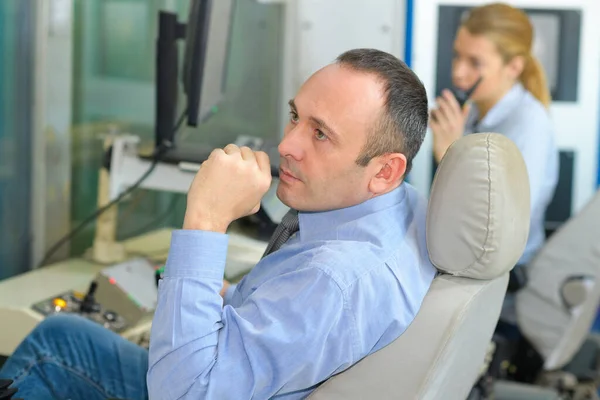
(69, 357)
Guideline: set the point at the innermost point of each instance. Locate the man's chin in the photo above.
(285, 195)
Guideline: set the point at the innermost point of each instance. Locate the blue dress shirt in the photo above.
(346, 285)
(524, 120)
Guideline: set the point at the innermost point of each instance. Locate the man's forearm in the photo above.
(188, 314)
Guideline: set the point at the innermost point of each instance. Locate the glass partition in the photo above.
(16, 80)
(114, 59)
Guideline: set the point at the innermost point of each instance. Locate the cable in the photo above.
(157, 155)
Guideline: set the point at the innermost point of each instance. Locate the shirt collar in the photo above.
(499, 112)
(325, 224)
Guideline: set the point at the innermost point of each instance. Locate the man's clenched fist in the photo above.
(228, 186)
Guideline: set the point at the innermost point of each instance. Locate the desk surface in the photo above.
(242, 254)
(77, 273)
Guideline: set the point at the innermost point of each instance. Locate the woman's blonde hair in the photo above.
(511, 31)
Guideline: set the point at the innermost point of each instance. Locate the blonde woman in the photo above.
(494, 43)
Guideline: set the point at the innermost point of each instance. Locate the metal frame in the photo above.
(126, 169)
(51, 127)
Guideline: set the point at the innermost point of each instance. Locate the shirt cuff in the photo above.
(195, 253)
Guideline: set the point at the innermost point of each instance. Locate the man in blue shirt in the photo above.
(343, 277)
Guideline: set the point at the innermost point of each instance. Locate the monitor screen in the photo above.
(546, 44)
(207, 46)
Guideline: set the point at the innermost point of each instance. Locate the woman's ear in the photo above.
(389, 170)
(516, 66)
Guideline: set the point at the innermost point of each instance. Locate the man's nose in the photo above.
(291, 145)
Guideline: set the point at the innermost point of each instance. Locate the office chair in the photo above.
(557, 307)
(477, 227)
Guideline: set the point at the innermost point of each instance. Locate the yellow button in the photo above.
(60, 303)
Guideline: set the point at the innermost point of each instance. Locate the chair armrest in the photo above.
(575, 290)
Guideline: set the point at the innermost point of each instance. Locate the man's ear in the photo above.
(389, 171)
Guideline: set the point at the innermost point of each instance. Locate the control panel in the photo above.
(74, 302)
(121, 296)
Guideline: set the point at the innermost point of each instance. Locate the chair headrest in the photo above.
(478, 215)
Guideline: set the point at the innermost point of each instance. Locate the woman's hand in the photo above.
(447, 123)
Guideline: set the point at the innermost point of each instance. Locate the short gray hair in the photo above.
(402, 126)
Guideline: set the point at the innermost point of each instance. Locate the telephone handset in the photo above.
(462, 96)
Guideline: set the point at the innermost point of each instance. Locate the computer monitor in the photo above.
(207, 43)
(205, 61)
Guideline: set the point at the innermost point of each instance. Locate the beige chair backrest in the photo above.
(477, 227)
(556, 309)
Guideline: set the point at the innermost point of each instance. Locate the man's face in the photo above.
(330, 119)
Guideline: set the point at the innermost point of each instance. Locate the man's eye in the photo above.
(294, 117)
(319, 135)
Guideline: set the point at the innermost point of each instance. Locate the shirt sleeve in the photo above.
(292, 332)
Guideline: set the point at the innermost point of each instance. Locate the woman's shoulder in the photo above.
(530, 114)
(531, 108)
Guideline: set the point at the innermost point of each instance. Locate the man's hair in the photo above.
(402, 125)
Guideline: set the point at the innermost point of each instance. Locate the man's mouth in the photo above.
(286, 174)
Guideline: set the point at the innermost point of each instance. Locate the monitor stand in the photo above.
(190, 155)
(174, 173)
(193, 153)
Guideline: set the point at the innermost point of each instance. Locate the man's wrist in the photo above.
(204, 224)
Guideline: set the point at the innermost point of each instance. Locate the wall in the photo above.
(314, 38)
